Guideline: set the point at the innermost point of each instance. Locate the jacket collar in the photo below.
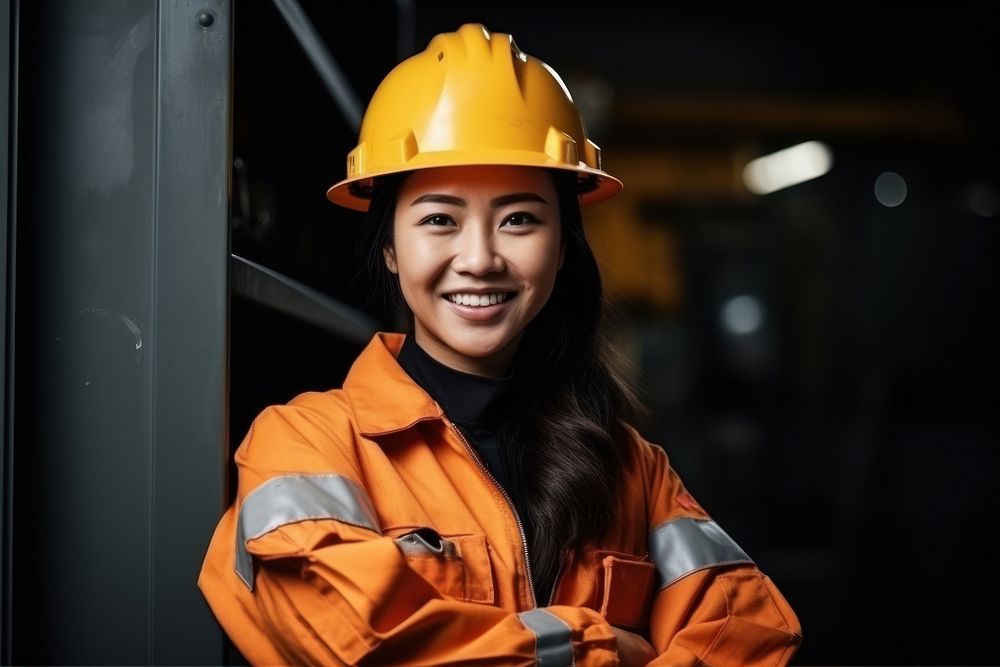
(384, 398)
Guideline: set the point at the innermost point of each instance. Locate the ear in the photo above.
(389, 253)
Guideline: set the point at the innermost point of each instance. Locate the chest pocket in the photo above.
(624, 589)
(457, 565)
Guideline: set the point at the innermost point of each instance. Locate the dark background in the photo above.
(848, 440)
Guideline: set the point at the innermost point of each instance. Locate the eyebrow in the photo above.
(496, 202)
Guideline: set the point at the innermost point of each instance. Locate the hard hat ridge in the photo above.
(472, 41)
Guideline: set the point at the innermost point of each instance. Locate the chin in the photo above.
(479, 349)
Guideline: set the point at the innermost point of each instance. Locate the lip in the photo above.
(479, 313)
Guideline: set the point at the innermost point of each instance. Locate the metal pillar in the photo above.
(117, 460)
(7, 94)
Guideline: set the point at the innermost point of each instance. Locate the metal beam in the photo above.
(276, 290)
(326, 66)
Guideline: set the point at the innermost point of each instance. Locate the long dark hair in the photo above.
(563, 439)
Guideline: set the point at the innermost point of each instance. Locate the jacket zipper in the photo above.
(552, 595)
(510, 503)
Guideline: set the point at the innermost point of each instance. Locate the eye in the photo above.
(520, 219)
(437, 220)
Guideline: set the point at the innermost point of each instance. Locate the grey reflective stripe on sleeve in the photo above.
(682, 546)
(553, 643)
(292, 498)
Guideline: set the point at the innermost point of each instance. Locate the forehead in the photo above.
(478, 181)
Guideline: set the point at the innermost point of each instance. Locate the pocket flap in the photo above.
(627, 591)
(458, 566)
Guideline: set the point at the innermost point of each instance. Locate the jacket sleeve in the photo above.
(327, 587)
(711, 603)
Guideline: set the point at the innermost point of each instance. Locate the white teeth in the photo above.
(478, 300)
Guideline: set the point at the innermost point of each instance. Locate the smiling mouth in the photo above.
(480, 300)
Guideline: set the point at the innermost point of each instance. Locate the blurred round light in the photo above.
(984, 200)
(890, 189)
(742, 315)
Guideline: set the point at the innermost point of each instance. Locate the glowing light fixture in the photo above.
(742, 314)
(890, 189)
(787, 167)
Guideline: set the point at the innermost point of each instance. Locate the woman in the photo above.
(474, 493)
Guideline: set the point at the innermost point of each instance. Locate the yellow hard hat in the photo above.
(471, 97)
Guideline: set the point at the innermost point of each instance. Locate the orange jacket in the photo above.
(318, 561)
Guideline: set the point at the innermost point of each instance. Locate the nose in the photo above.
(477, 253)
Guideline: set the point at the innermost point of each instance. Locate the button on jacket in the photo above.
(366, 531)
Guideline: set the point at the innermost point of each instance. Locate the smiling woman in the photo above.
(476, 492)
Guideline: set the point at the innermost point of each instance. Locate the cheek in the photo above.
(538, 264)
(410, 280)
(417, 265)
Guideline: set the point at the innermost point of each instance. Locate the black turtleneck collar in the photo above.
(467, 399)
(473, 402)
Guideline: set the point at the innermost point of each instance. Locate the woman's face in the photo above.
(477, 250)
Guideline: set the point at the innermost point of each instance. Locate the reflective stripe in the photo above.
(682, 546)
(292, 498)
(553, 644)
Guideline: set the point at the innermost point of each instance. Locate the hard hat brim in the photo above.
(354, 193)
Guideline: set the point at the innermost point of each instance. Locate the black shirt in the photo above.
(473, 402)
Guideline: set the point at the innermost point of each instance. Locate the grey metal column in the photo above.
(122, 248)
(189, 445)
(6, 95)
